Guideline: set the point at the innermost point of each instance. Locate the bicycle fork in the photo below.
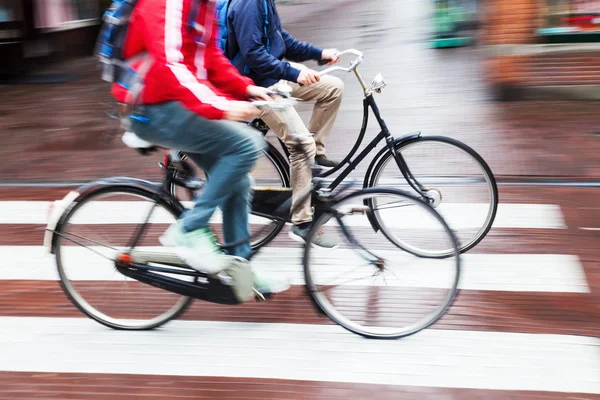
(431, 197)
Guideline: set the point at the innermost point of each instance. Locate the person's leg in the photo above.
(291, 130)
(327, 95)
(233, 149)
(235, 209)
(302, 155)
(235, 212)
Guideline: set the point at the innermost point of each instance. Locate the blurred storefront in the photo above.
(543, 47)
(570, 21)
(454, 23)
(31, 30)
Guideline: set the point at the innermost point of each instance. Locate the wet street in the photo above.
(525, 324)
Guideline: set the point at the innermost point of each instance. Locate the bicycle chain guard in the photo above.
(234, 285)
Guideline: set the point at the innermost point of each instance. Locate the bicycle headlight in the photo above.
(378, 83)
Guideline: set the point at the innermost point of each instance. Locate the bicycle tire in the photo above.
(492, 188)
(82, 304)
(325, 305)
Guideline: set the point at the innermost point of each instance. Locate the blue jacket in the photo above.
(245, 20)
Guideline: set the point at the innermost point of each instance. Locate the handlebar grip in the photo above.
(322, 62)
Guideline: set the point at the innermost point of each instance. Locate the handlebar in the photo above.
(286, 101)
(353, 65)
(283, 100)
(277, 105)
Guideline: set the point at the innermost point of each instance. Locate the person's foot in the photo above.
(197, 248)
(323, 161)
(266, 285)
(320, 240)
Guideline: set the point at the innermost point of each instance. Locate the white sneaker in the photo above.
(198, 248)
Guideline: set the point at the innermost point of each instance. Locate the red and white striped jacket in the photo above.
(186, 64)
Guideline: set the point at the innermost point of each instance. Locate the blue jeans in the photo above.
(226, 151)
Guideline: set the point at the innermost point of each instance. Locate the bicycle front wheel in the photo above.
(94, 232)
(271, 173)
(457, 178)
(370, 286)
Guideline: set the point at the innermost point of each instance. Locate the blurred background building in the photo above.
(543, 48)
(31, 30)
(533, 47)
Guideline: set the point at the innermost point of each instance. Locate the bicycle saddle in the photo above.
(135, 142)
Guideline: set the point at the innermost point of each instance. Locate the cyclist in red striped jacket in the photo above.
(192, 101)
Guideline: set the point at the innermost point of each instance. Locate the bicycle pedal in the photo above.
(260, 298)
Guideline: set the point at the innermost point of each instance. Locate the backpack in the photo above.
(221, 11)
(110, 46)
(221, 14)
(110, 42)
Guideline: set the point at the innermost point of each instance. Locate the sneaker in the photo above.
(198, 249)
(320, 240)
(266, 286)
(323, 161)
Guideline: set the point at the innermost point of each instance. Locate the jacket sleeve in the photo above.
(221, 72)
(165, 24)
(248, 25)
(299, 51)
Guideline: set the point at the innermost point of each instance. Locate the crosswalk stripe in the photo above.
(506, 272)
(458, 216)
(456, 359)
(433, 358)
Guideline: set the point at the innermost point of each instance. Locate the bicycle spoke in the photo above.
(386, 206)
(329, 287)
(355, 242)
(142, 228)
(346, 273)
(83, 245)
(93, 241)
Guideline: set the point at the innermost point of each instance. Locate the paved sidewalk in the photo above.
(294, 11)
(525, 324)
(61, 132)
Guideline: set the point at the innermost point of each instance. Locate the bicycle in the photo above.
(436, 174)
(144, 276)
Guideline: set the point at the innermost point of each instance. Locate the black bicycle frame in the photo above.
(350, 165)
(269, 206)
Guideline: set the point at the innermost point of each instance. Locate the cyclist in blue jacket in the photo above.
(257, 45)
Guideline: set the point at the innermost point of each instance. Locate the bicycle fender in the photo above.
(60, 209)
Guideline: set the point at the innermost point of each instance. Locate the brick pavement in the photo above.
(534, 338)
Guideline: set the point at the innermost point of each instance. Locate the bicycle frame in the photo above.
(277, 208)
(348, 164)
(274, 208)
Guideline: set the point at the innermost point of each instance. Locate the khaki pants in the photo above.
(327, 95)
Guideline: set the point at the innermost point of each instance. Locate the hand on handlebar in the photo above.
(353, 65)
(242, 111)
(329, 57)
(259, 93)
(308, 77)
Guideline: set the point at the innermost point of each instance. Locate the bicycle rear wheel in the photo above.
(460, 181)
(106, 222)
(370, 286)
